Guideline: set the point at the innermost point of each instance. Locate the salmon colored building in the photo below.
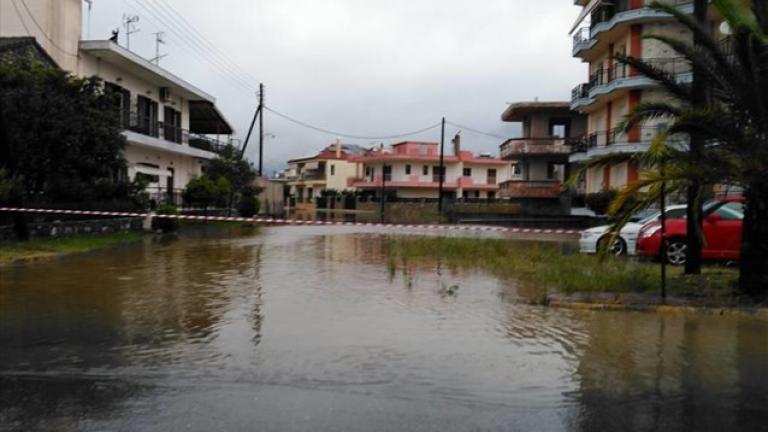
(412, 170)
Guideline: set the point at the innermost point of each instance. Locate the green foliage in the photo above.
(249, 204)
(167, 225)
(60, 136)
(206, 192)
(43, 248)
(231, 166)
(542, 267)
(600, 201)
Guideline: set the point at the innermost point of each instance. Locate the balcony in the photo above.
(611, 16)
(171, 137)
(521, 147)
(548, 189)
(617, 141)
(310, 176)
(619, 76)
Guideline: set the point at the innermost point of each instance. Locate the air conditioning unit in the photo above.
(165, 94)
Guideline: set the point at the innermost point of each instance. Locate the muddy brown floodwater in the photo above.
(306, 329)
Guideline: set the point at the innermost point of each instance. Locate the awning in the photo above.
(205, 119)
(587, 10)
(150, 171)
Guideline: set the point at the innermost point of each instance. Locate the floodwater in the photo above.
(308, 329)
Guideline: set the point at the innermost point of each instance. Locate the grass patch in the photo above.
(546, 267)
(44, 248)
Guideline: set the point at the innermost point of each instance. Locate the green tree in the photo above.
(239, 172)
(733, 125)
(207, 191)
(60, 137)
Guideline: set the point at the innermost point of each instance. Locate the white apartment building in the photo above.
(603, 30)
(172, 127)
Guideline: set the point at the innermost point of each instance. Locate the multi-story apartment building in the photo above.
(604, 30)
(328, 170)
(540, 157)
(412, 170)
(172, 127)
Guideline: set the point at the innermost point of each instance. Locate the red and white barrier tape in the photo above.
(272, 221)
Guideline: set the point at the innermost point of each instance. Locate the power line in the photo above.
(201, 37)
(184, 35)
(477, 131)
(234, 80)
(347, 135)
(39, 27)
(21, 19)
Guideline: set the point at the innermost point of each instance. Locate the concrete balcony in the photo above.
(521, 147)
(605, 82)
(607, 19)
(546, 189)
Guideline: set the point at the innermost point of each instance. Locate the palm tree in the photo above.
(732, 126)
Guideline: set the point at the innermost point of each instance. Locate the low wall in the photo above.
(71, 228)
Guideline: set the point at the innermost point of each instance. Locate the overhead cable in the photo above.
(348, 135)
(477, 131)
(39, 27)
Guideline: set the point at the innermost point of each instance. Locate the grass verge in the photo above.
(544, 266)
(45, 248)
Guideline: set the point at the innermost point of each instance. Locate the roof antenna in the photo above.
(129, 22)
(159, 40)
(90, 6)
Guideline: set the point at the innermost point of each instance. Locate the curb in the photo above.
(757, 313)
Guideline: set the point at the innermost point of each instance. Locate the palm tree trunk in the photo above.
(695, 213)
(753, 280)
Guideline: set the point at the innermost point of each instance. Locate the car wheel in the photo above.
(618, 248)
(676, 253)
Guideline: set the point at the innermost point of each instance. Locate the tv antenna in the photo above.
(90, 6)
(129, 22)
(159, 40)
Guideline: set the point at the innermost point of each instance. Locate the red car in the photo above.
(723, 218)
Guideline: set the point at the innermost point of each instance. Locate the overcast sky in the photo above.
(364, 67)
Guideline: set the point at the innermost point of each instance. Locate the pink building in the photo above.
(412, 170)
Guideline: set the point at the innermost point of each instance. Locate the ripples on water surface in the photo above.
(307, 329)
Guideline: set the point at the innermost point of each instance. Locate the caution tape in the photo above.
(297, 222)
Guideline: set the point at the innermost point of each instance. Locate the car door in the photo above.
(722, 231)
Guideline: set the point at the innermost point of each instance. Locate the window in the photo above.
(517, 170)
(369, 172)
(552, 171)
(436, 174)
(491, 176)
(407, 170)
(333, 170)
(172, 125)
(425, 170)
(560, 127)
(146, 116)
(467, 172)
(387, 170)
(731, 211)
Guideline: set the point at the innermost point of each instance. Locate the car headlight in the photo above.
(650, 232)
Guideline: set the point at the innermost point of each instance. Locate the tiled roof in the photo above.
(14, 48)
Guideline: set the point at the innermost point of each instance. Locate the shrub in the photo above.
(167, 225)
(249, 206)
(599, 202)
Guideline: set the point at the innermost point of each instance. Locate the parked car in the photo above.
(723, 218)
(625, 244)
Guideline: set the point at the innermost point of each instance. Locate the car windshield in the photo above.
(650, 218)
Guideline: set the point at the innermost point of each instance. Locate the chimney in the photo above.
(338, 148)
(457, 144)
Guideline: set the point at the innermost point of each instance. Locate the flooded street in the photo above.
(309, 329)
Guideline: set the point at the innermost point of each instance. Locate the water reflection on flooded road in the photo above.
(309, 329)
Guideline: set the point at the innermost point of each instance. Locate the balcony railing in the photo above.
(534, 146)
(582, 35)
(607, 10)
(168, 132)
(616, 136)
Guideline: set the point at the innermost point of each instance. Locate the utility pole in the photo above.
(129, 22)
(383, 189)
(159, 40)
(442, 171)
(261, 129)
